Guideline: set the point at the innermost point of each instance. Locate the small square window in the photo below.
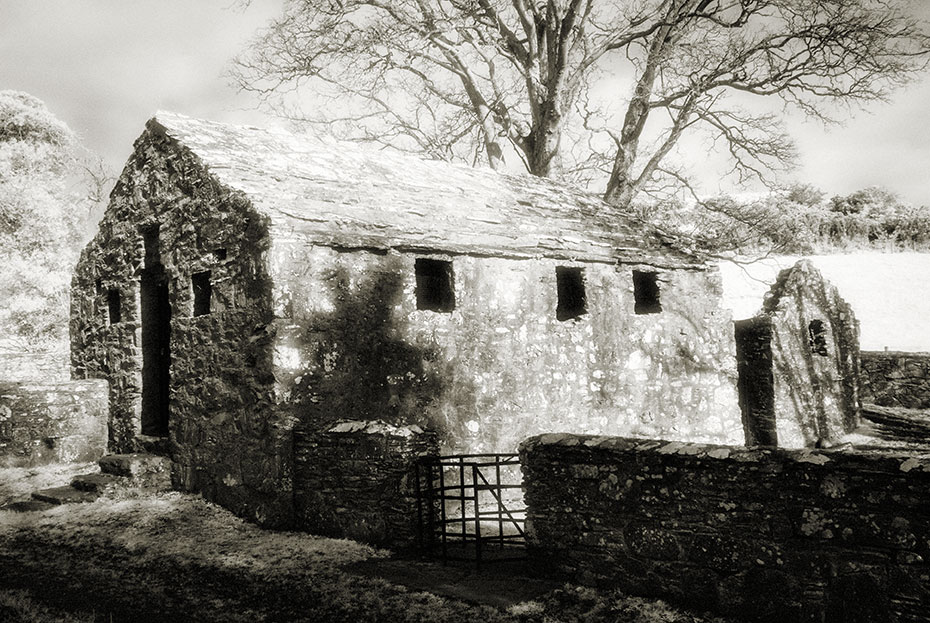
(646, 292)
(817, 336)
(114, 313)
(203, 291)
(572, 299)
(435, 285)
(219, 254)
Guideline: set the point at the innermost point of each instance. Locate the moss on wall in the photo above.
(766, 535)
(500, 366)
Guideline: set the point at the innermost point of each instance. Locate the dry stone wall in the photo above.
(500, 366)
(896, 379)
(359, 480)
(58, 422)
(27, 366)
(770, 535)
(227, 438)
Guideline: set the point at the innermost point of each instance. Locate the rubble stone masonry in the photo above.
(49, 422)
(358, 480)
(896, 379)
(769, 535)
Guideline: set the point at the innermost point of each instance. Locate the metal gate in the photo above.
(470, 507)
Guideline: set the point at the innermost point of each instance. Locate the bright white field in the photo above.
(889, 292)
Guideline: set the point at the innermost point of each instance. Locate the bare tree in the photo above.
(482, 79)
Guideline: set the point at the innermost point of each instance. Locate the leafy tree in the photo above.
(45, 204)
(484, 79)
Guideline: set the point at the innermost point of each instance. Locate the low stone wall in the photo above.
(895, 379)
(44, 366)
(358, 480)
(44, 423)
(768, 535)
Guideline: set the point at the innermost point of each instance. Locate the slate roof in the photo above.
(346, 195)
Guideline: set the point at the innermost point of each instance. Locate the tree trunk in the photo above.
(542, 151)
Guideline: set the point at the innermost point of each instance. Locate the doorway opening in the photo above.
(156, 339)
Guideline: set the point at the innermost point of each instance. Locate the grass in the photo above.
(175, 557)
(19, 607)
(18, 483)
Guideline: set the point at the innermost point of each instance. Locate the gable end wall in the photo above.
(226, 437)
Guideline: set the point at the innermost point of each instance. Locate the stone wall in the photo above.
(358, 480)
(227, 438)
(54, 422)
(501, 366)
(770, 535)
(896, 379)
(31, 366)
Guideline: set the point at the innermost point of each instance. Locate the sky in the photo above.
(105, 66)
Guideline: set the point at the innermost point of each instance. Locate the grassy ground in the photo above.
(174, 557)
(17, 483)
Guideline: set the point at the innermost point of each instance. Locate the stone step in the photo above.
(150, 444)
(145, 470)
(64, 495)
(25, 506)
(99, 482)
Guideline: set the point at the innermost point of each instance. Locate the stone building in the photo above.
(246, 285)
(798, 363)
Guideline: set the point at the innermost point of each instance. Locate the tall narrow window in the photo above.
(435, 285)
(203, 291)
(150, 243)
(570, 286)
(817, 335)
(646, 292)
(113, 306)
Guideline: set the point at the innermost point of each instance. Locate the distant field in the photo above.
(889, 292)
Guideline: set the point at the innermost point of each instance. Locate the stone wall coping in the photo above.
(894, 353)
(32, 386)
(879, 458)
(374, 427)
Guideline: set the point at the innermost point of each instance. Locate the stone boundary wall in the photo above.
(895, 379)
(27, 367)
(43, 423)
(767, 535)
(358, 480)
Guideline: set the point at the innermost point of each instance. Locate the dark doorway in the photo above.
(156, 340)
(756, 382)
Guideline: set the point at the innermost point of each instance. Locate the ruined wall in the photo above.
(499, 367)
(896, 379)
(769, 535)
(226, 438)
(359, 480)
(49, 422)
(811, 360)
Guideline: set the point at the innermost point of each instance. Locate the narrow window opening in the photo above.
(219, 254)
(150, 242)
(646, 292)
(570, 286)
(817, 335)
(98, 286)
(203, 291)
(113, 306)
(435, 285)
